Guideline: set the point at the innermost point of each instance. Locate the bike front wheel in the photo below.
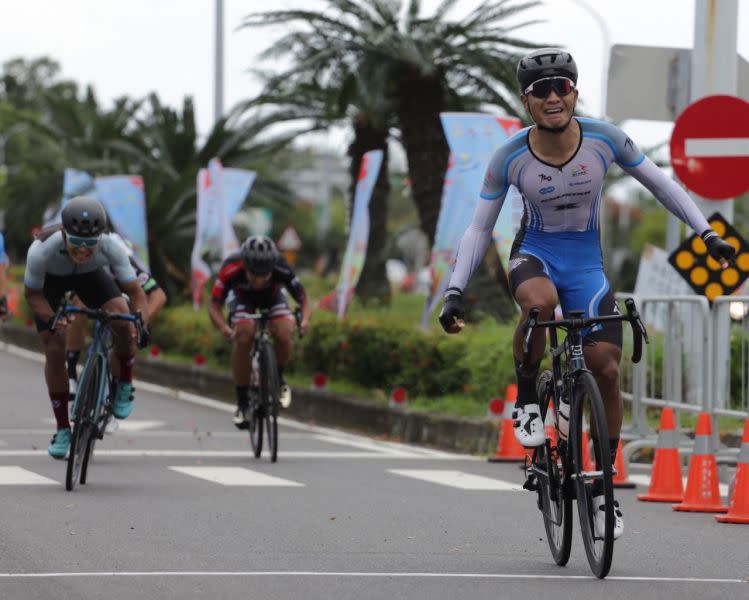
(83, 425)
(598, 548)
(269, 392)
(556, 505)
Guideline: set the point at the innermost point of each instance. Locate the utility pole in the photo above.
(218, 81)
(715, 67)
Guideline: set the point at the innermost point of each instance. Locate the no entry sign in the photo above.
(710, 147)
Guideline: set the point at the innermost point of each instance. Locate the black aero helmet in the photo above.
(546, 62)
(259, 254)
(84, 217)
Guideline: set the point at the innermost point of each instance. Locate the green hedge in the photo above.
(368, 352)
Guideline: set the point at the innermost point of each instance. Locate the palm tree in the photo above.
(419, 67)
(411, 69)
(323, 98)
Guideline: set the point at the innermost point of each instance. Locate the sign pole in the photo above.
(714, 67)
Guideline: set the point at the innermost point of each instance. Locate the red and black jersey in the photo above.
(232, 277)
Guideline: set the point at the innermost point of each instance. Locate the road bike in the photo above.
(92, 406)
(557, 472)
(265, 387)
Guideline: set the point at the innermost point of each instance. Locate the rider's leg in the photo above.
(531, 289)
(281, 330)
(56, 376)
(124, 338)
(244, 332)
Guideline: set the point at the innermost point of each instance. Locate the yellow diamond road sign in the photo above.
(702, 272)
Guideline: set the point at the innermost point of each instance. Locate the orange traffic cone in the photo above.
(702, 493)
(508, 447)
(620, 479)
(738, 512)
(665, 481)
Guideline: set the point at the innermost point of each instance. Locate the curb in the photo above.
(457, 434)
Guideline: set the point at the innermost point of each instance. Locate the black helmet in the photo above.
(259, 254)
(83, 216)
(546, 62)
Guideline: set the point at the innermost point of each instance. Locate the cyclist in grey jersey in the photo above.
(558, 165)
(74, 259)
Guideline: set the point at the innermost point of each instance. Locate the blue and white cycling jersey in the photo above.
(51, 256)
(562, 199)
(3, 256)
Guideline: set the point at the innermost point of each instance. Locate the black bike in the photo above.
(556, 471)
(265, 388)
(92, 407)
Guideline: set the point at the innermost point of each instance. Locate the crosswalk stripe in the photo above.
(235, 476)
(458, 479)
(20, 476)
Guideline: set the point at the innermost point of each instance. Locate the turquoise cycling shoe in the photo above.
(60, 444)
(123, 400)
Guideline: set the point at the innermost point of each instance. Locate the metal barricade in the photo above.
(675, 370)
(731, 356)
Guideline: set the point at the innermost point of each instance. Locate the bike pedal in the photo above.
(531, 484)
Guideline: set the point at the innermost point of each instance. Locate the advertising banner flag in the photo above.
(235, 186)
(473, 138)
(356, 248)
(220, 195)
(124, 199)
(206, 236)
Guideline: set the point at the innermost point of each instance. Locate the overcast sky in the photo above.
(134, 47)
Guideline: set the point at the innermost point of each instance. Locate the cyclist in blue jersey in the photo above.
(558, 165)
(3, 280)
(75, 257)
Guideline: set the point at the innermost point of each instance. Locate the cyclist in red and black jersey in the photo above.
(256, 277)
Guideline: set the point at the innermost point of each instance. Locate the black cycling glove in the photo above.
(452, 309)
(717, 247)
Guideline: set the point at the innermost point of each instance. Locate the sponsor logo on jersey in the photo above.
(544, 177)
(579, 170)
(547, 190)
(584, 182)
(516, 262)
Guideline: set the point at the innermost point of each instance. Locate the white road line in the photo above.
(458, 479)
(134, 425)
(19, 476)
(401, 575)
(645, 480)
(730, 146)
(235, 476)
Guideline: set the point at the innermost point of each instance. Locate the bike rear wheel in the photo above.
(556, 505)
(83, 424)
(269, 392)
(587, 398)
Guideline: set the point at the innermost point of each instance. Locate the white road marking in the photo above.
(734, 146)
(235, 476)
(458, 479)
(645, 480)
(19, 476)
(134, 425)
(400, 575)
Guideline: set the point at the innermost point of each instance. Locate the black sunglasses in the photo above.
(542, 87)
